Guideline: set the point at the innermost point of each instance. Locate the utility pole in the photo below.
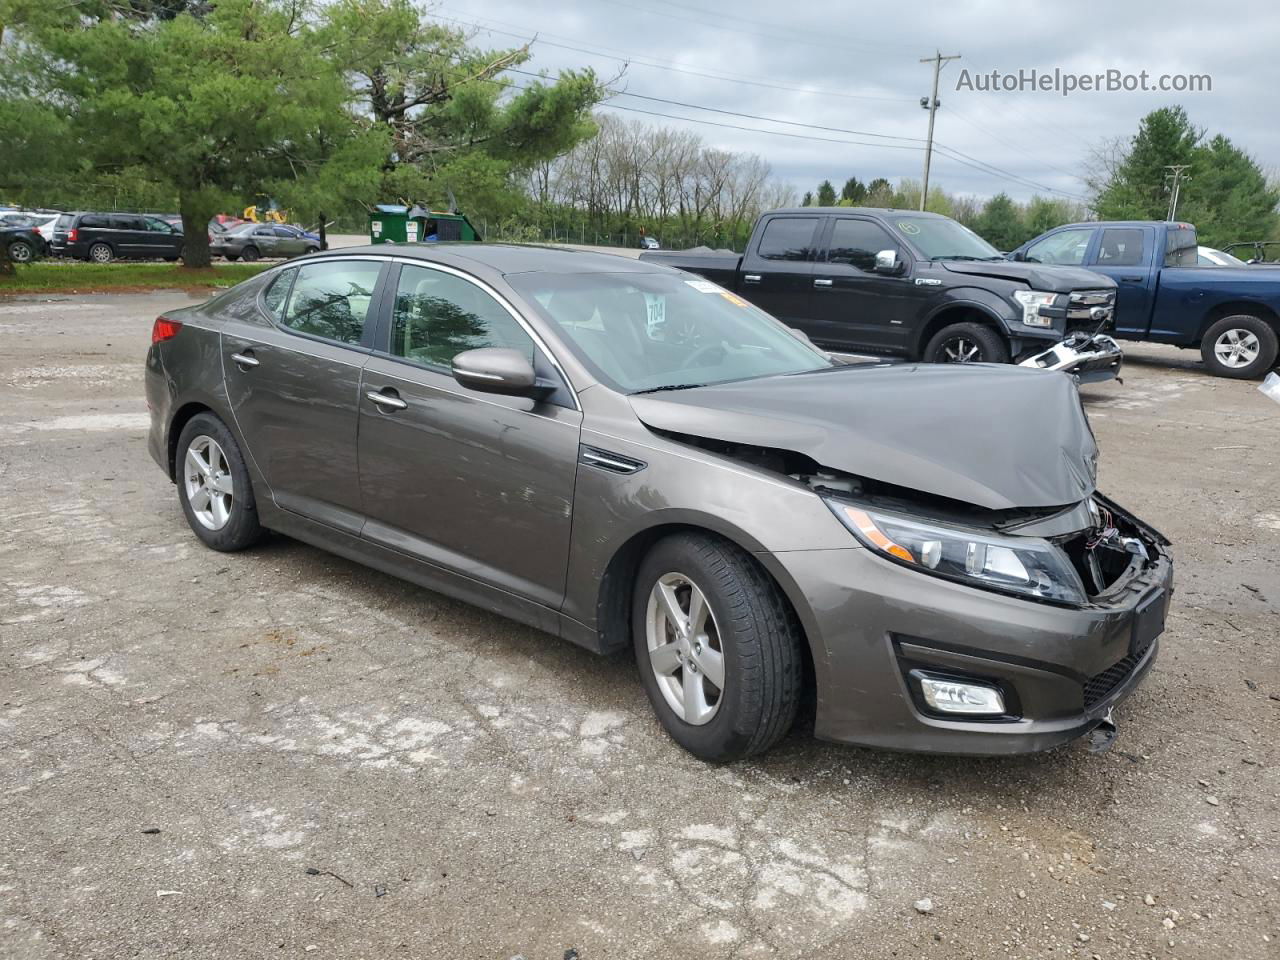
(931, 104)
(1178, 174)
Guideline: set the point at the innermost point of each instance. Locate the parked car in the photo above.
(626, 456)
(1231, 313)
(253, 241)
(902, 283)
(22, 241)
(103, 237)
(649, 243)
(1209, 257)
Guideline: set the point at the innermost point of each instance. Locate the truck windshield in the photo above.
(641, 332)
(940, 239)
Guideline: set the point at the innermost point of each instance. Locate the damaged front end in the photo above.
(1089, 357)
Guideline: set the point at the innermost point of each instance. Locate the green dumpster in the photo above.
(395, 223)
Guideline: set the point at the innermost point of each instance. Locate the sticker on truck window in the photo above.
(703, 286)
(907, 227)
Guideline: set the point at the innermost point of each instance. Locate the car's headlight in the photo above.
(1032, 301)
(1023, 565)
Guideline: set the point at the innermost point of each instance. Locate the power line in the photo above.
(772, 133)
(657, 63)
(951, 153)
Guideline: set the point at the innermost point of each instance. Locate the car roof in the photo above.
(879, 211)
(1177, 225)
(509, 258)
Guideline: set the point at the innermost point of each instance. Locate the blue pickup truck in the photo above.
(1231, 313)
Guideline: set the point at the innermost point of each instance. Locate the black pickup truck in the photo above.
(904, 283)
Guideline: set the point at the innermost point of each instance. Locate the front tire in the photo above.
(966, 343)
(718, 647)
(1242, 347)
(214, 487)
(249, 255)
(101, 253)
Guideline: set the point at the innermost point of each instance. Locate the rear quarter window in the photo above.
(1181, 248)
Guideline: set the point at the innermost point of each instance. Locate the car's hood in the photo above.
(1038, 276)
(994, 436)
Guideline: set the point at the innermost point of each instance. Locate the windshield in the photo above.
(943, 239)
(657, 331)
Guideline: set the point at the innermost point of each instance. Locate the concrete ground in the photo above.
(279, 753)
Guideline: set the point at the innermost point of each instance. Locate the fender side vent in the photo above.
(610, 461)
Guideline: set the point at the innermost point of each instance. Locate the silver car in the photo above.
(631, 457)
(254, 241)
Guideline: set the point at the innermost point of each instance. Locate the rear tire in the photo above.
(233, 257)
(214, 487)
(249, 255)
(21, 252)
(749, 639)
(101, 253)
(1242, 347)
(966, 343)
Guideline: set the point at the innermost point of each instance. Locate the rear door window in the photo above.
(1122, 247)
(331, 300)
(788, 238)
(438, 315)
(124, 222)
(94, 220)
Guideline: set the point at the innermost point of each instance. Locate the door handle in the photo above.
(1132, 279)
(751, 278)
(822, 283)
(246, 360)
(387, 401)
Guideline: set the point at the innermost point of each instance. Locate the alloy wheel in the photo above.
(685, 653)
(1237, 348)
(960, 350)
(208, 484)
(100, 253)
(20, 252)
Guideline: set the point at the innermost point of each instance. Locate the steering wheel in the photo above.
(697, 355)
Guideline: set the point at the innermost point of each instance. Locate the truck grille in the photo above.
(1101, 685)
(1082, 304)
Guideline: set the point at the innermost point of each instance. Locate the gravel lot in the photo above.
(186, 737)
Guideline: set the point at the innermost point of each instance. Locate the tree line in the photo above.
(330, 106)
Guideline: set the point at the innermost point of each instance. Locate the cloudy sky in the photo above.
(854, 66)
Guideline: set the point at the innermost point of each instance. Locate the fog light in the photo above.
(954, 696)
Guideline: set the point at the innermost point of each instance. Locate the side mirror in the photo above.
(887, 262)
(1019, 255)
(497, 370)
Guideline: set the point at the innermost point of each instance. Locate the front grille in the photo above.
(1082, 303)
(1101, 685)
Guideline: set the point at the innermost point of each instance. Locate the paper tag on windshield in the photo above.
(703, 286)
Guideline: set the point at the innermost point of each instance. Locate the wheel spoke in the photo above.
(695, 699)
(711, 662)
(200, 500)
(222, 483)
(665, 659)
(221, 509)
(671, 606)
(697, 612)
(194, 463)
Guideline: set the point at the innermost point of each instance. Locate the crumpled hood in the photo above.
(994, 436)
(1038, 276)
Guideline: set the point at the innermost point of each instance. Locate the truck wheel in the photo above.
(1242, 347)
(966, 343)
(718, 647)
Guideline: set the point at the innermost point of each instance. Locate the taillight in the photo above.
(72, 235)
(164, 329)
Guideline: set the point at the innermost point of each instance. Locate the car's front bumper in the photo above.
(871, 622)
